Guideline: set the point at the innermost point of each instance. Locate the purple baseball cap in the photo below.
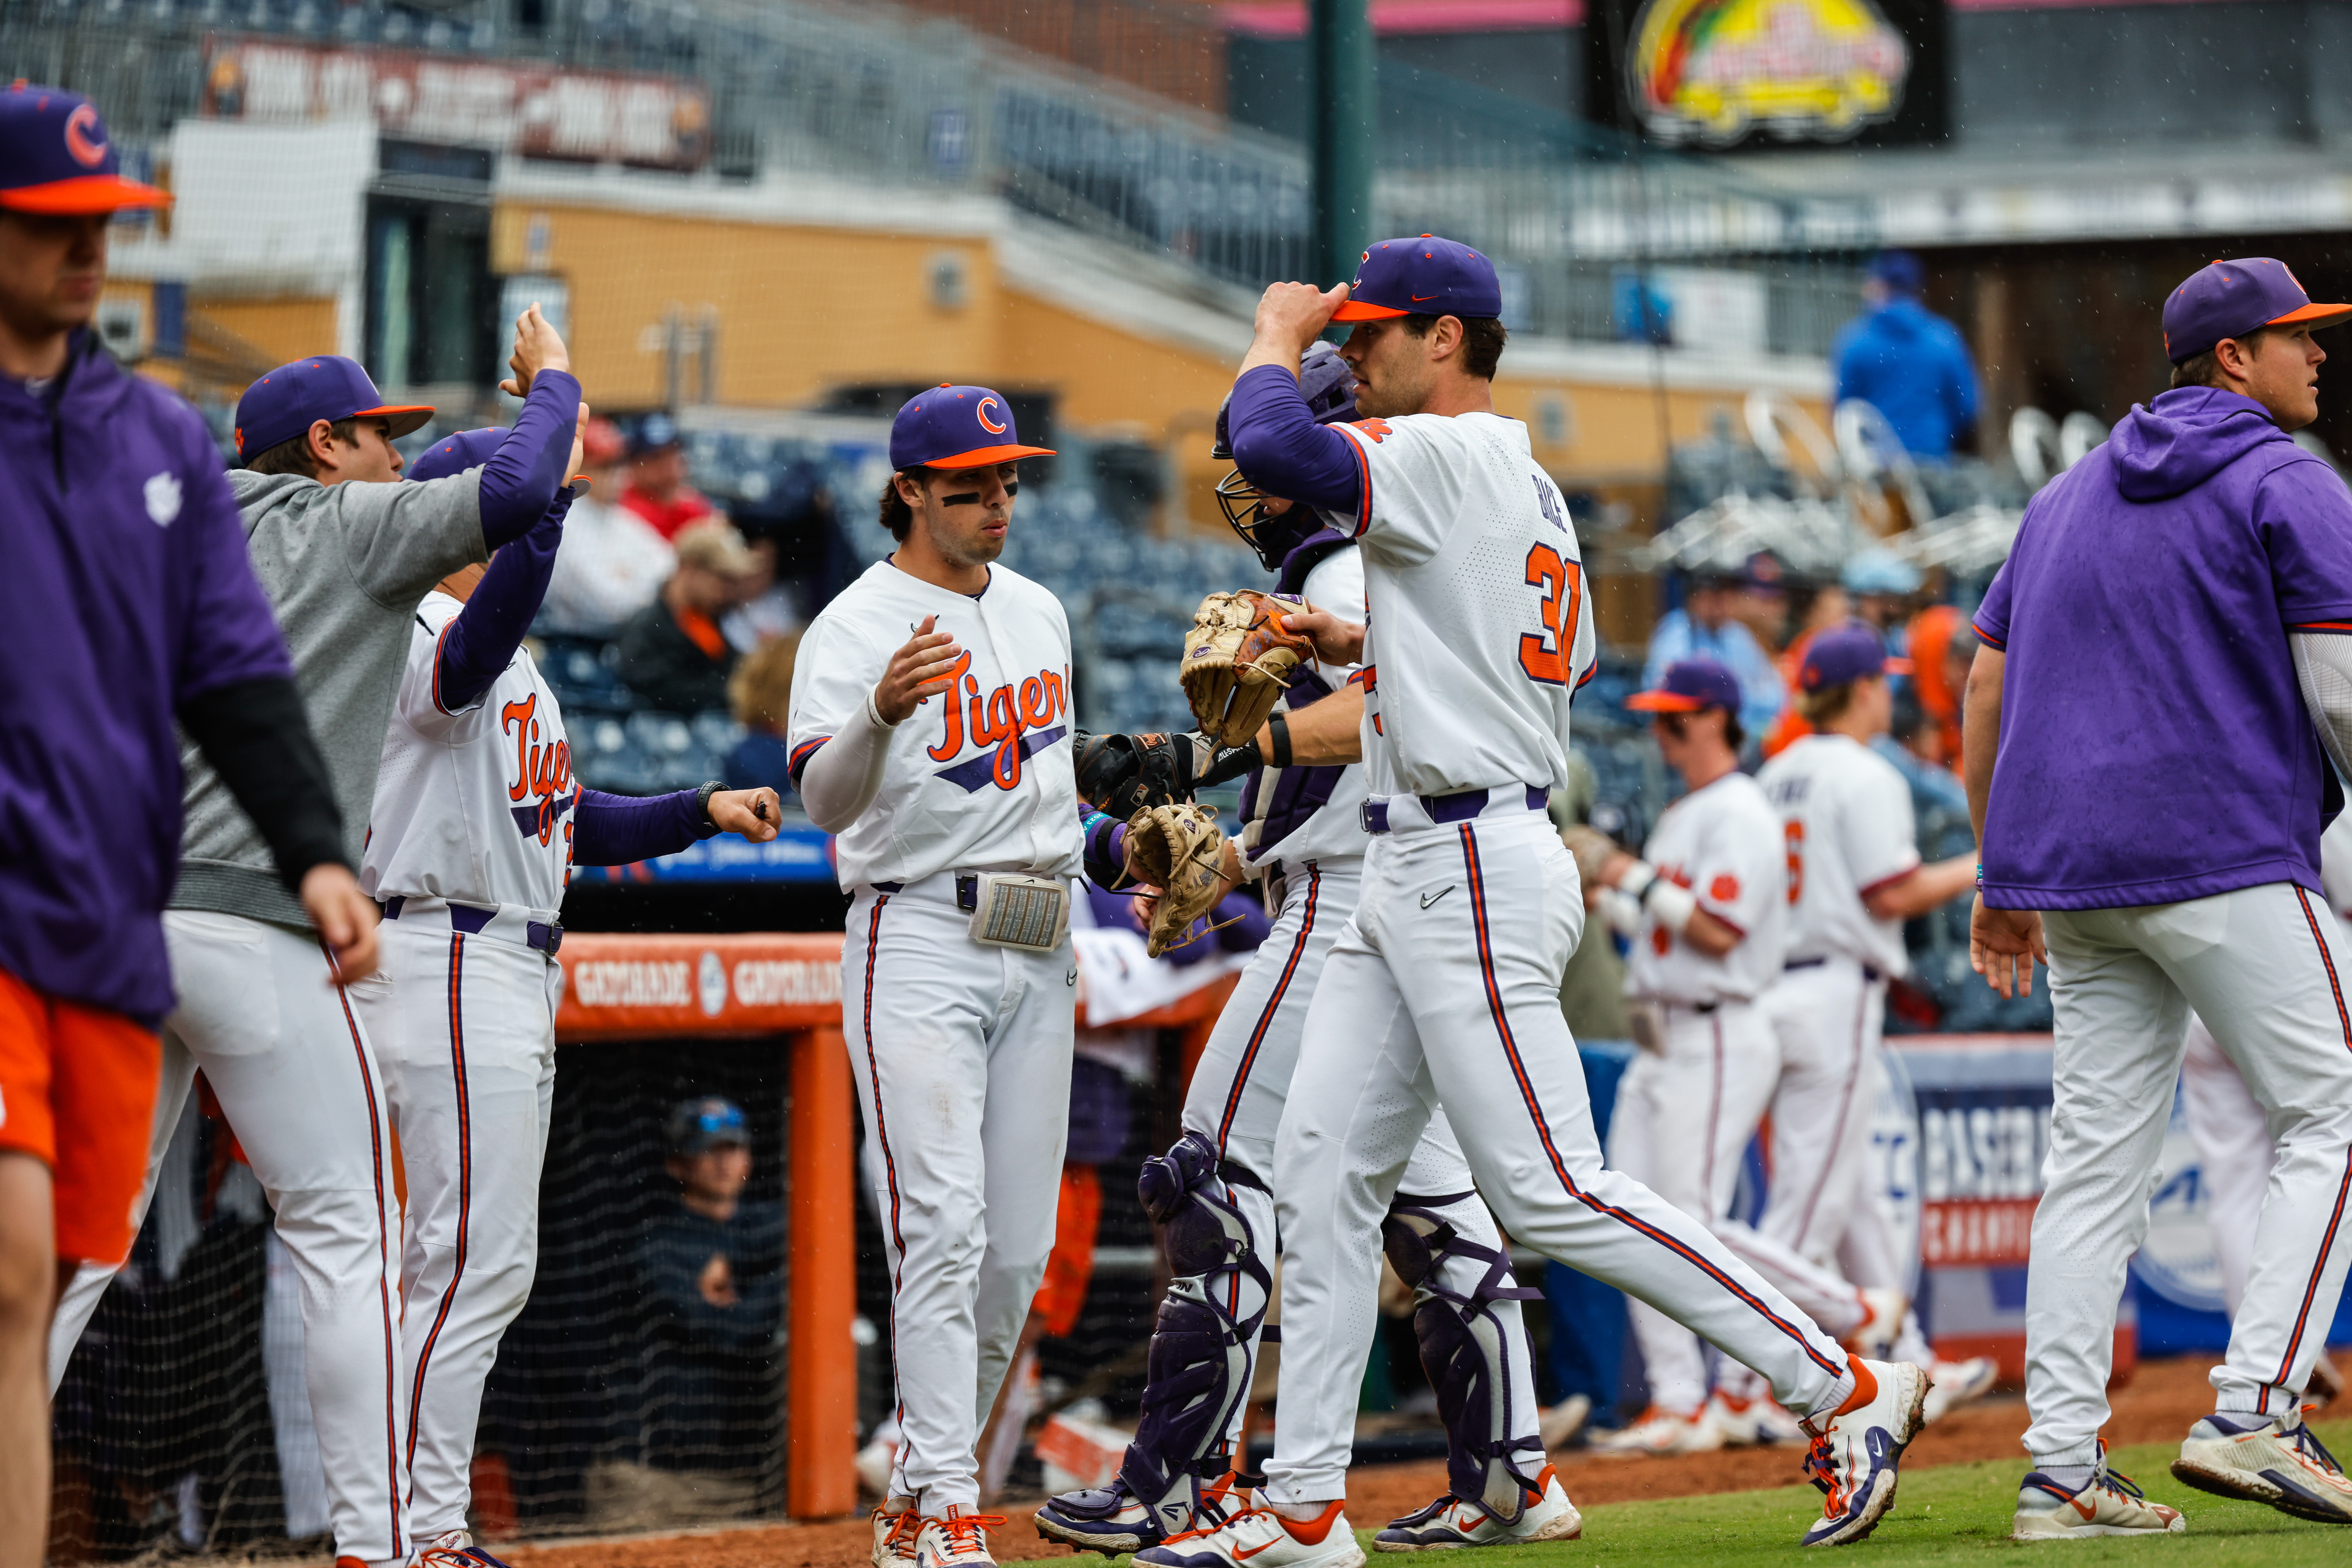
(1424, 275)
(1690, 684)
(951, 427)
(54, 157)
(2232, 299)
(1850, 652)
(455, 454)
(293, 397)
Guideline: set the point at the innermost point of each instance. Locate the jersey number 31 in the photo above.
(1545, 655)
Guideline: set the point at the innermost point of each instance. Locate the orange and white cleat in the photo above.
(1856, 1451)
(955, 1539)
(2266, 1459)
(893, 1537)
(1545, 1514)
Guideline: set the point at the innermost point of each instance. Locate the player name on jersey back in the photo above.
(473, 806)
(1476, 606)
(978, 779)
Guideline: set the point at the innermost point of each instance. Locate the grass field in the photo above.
(1947, 1514)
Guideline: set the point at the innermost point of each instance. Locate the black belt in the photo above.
(471, 919)
(967, 889)
(1869, 971)
(1460, 806)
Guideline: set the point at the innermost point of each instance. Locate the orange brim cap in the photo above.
(406, 418)
(1662, 702)
(86, 193)
(981, 457)
(2314, 316)
(1363, 310)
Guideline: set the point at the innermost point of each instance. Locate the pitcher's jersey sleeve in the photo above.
(832, 674)
(1412, 491)
(1741, 875)
(422, 704)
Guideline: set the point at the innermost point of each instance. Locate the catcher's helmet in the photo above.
(1329, 388)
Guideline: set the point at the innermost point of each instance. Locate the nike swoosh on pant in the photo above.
(1428, 898)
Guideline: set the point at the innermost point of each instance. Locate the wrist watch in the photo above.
(702, 800)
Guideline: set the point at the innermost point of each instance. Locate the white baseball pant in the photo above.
(288, 1057)
(2265, 966)
(1685, 1114)
(1828, 1017)
(962, 1057)
(464, 1029)
(2233, 1153)
(1244, 1077)
(1444, 991)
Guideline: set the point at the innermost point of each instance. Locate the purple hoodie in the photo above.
(2154, 745)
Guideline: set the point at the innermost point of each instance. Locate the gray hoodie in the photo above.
(344, 566)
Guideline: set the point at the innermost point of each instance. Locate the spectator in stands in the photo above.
(613, 562)
(672, 653)
(798, 508)
(1942, 648)
(712, 1270)
(760, 691)
(1909, 363)
(1881, 584)
(657, 488)
(1705, 628)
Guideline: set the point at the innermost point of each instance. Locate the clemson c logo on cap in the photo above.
(991, 425)
(85, 138)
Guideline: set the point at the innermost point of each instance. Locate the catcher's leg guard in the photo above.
(1203, 1344)
(1468, 1338)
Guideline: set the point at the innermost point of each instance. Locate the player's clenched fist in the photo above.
(346, 919)
(1295, 314)
(924, 665)
(750, 812)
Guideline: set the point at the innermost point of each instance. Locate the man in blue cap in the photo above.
(1906, 362)
(130, 604)
(344, 553)
(942, 760)
(2164, 680)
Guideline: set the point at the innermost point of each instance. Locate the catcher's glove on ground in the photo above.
(1177, 850)
(1237, 663)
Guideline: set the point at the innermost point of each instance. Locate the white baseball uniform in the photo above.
(1846, 813)
(1444, 990)
(962, 1050)
(469, 846)
(1237, 1090)
(1686, 1110)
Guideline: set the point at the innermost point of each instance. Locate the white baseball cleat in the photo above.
(1262, 1539)
(1882, 1324)
(1745, 1423)
(1854, 1452)
(1656, 1432)
(2263, 1458)
(1547, 1515)
(1959, 1382)
(893, 1537)
(2106, 1504)
(955, 1539)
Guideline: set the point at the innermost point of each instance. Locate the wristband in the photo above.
(1623, 912)
(1979, 875)
(1671, 905)
(1278, 726)
(1637, 882)
(702, 802)
(875, 713)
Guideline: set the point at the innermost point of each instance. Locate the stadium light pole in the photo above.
(1345, 135)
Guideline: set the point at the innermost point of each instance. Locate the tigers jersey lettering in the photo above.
(979, 778)
(1722, 842)
(473, 806)
(1474, 583)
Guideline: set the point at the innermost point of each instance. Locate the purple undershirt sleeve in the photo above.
(619, 829)
(522, 477)
(1280, 449)
(481, 642)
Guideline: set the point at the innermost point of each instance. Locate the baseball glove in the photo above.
(1237, 663)
(1177, 850)
(1591, 848)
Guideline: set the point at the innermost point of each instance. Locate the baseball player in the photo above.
(131, 604)
(930, 716)
(344, 553)
(1706, 914)
(2164, 660)
(477, 825)
(1303, 834)
(1444, 988)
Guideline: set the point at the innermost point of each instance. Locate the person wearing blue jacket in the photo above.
(1906, 362)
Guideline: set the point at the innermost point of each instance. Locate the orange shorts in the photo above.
(76, 1092)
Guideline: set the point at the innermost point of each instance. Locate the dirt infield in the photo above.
(2158, 1405)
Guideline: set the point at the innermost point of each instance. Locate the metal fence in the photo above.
(1570, 212)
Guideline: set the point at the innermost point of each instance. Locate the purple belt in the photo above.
(471, 919)
(1460, 806)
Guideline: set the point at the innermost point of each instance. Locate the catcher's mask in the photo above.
(1329, 388)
